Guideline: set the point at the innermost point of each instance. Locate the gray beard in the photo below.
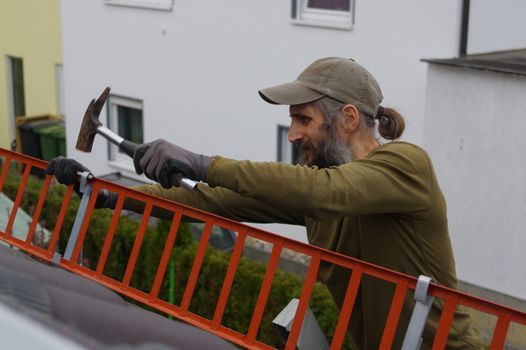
(330, 152)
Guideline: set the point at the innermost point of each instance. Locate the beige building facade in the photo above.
(31, 61)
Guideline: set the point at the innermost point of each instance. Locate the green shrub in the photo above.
(247, 282)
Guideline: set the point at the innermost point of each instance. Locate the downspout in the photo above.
(464, 29)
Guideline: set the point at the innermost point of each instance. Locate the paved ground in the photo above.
(22, 221)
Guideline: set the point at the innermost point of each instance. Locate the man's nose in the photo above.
(294, 135)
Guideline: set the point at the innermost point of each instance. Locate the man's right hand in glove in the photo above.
(65, 170)
(168, 164)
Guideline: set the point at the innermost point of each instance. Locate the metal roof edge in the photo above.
(508, 62)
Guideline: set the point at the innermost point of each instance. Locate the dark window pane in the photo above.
(287, 152)
(339, 5)
(17, 77)
(130, 123)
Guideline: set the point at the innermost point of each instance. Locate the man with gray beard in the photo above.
(356, 196)
(331, 151)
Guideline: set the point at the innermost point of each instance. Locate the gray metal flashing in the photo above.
(85, 189)
(509, 62)
(423, 303)
(311, 336)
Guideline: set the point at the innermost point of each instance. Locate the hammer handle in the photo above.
(129, 148)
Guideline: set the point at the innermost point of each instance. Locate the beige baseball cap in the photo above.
(340, 78)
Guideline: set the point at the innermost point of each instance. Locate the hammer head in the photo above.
(90, 123)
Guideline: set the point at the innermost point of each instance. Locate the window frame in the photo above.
(116, 158)
(286, 152)
(314, 17)
(16, 92)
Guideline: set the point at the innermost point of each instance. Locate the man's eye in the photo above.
(304, 120)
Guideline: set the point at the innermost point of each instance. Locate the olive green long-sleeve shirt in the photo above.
(386, 209)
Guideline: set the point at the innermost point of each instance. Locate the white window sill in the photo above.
(322, 24)
(163, 5)
(128, 170)
(322, 18)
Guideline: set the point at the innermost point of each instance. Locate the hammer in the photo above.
(91, 126)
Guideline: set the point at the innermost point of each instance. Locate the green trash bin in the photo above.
(60, 135)
(52, 140)
(30, 139)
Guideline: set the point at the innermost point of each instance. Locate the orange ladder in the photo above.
(404, 283)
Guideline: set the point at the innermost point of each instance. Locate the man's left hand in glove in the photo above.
(168, 164)
(66, 169)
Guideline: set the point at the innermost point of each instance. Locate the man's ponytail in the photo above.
(391, 124)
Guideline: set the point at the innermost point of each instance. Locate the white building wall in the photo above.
(212, 60)
(474, 131)
(197, 68)
(496, 25)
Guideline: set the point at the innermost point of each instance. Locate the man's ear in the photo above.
(351, 118)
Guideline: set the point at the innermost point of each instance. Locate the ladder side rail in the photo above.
(451, 298)
(38, 210)
(490, 307)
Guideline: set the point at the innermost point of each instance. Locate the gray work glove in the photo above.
(168, 164)
(65, 170)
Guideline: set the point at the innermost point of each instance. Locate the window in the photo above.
(17, 86)
(17, 102)
(287, 152)
(164, 5)
(324, 13)
(126, 119)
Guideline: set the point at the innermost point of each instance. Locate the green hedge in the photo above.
(247, 281)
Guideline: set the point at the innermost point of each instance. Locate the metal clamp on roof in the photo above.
(85, 189)
(84, 176)
(311, 336)
(413, 336)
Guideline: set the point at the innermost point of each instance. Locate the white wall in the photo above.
(198, 68)
(496, 25)
(474, 131)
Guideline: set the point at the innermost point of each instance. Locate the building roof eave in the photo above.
(509, 62)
